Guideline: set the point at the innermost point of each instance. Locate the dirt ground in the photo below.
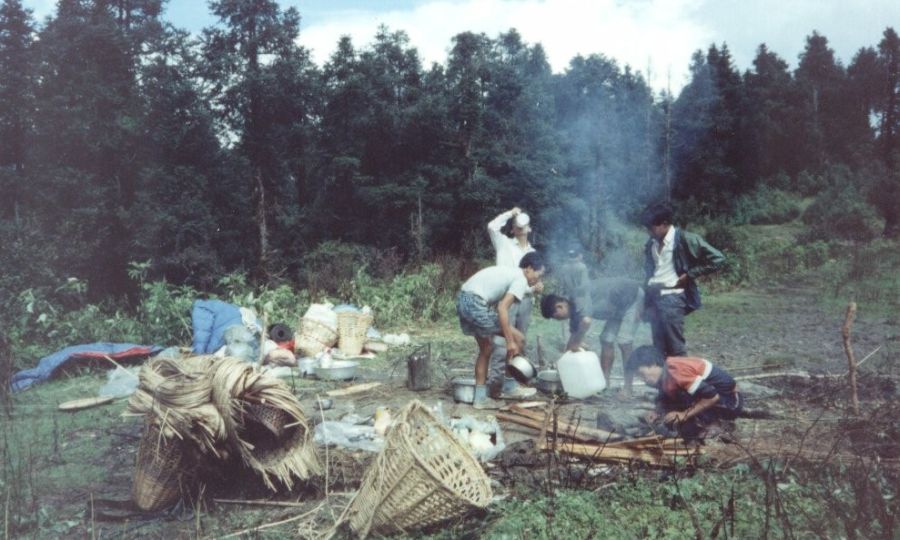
(749, 333)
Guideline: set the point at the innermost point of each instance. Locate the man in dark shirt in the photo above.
(693, 393)
(618, 301)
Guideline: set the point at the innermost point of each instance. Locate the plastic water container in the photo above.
(580, 374)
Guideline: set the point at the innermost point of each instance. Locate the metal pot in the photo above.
(521, 368)
(339, 370)
(307, 366)
(463, 389)
(548, 382)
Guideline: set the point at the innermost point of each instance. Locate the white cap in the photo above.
(522, 219)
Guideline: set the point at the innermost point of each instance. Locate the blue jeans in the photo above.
(667, 322)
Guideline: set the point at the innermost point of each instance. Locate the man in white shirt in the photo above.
(673, 260)
(483, 306)
(509, 235)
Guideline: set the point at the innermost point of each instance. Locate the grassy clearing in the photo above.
(53, 462)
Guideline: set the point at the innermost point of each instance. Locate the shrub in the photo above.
(841, 212)
(329, 269)
(765, 206)
(423, 295)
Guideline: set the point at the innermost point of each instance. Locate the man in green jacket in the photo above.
(673, 260)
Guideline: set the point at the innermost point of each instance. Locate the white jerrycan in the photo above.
(580, 374)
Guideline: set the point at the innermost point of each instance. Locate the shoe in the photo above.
(487, 403)
(519, 392)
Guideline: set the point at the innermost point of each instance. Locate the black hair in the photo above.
(548, 304)
(644, 356)
(656, 214)
(532, 260)
(507, 228)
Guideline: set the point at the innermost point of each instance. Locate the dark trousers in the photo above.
(666, 313)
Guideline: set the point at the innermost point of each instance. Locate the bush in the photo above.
(841, 212)
(329, 269)
(766, 206)
(427, 294)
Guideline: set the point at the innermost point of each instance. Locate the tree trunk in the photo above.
(262, 226)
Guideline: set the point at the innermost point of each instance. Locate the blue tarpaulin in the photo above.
(209, 320)
(91, 351)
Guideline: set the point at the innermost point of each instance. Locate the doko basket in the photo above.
(314, 337)
(156, 484)
(272, 418)
(352, 329)
(422, 477)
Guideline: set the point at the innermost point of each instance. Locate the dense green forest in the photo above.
(124, 139)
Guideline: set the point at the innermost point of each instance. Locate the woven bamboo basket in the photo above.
(313, 337)
(422, 477)
(272, 418)
(156, 484)
(352, 328)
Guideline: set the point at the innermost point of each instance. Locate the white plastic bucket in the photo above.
(580, 374)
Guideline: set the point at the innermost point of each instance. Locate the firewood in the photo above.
(564, 427)
(352, 389)
(607, 453)
(536, 421)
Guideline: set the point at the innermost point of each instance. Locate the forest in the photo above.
(126, 139)
(143, 167)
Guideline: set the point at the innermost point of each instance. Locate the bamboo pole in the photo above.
(851, 361)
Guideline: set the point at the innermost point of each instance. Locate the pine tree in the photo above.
(88, 147)
(243, 91)
(16, 102)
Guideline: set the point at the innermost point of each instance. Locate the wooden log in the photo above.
(523, 405)
(605, 453)
(803, 374)
(352, 389)
(851, 361)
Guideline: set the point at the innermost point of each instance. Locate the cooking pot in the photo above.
(463, 389)
(548, 382)
(339, 370)
(521, 368)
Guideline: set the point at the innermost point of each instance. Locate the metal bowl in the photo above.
(521, 368)
(463, 389)
(548, 382)
(339, 370)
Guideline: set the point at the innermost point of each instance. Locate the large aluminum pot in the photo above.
(548, 382)
(463, 389)
(521, 368)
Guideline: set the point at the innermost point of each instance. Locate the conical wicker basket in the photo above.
(313, 337)
(422, 477)
(158, 471)
(352, 329)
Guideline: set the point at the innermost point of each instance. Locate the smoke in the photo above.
(613, 130)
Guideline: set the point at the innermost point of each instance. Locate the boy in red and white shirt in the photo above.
(693, 393)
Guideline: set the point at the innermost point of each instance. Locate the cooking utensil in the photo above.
(463, 389)
(306, 366)
(521, 368)
(548, 382)
(339, 370)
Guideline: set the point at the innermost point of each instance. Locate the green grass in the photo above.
(733, 503)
